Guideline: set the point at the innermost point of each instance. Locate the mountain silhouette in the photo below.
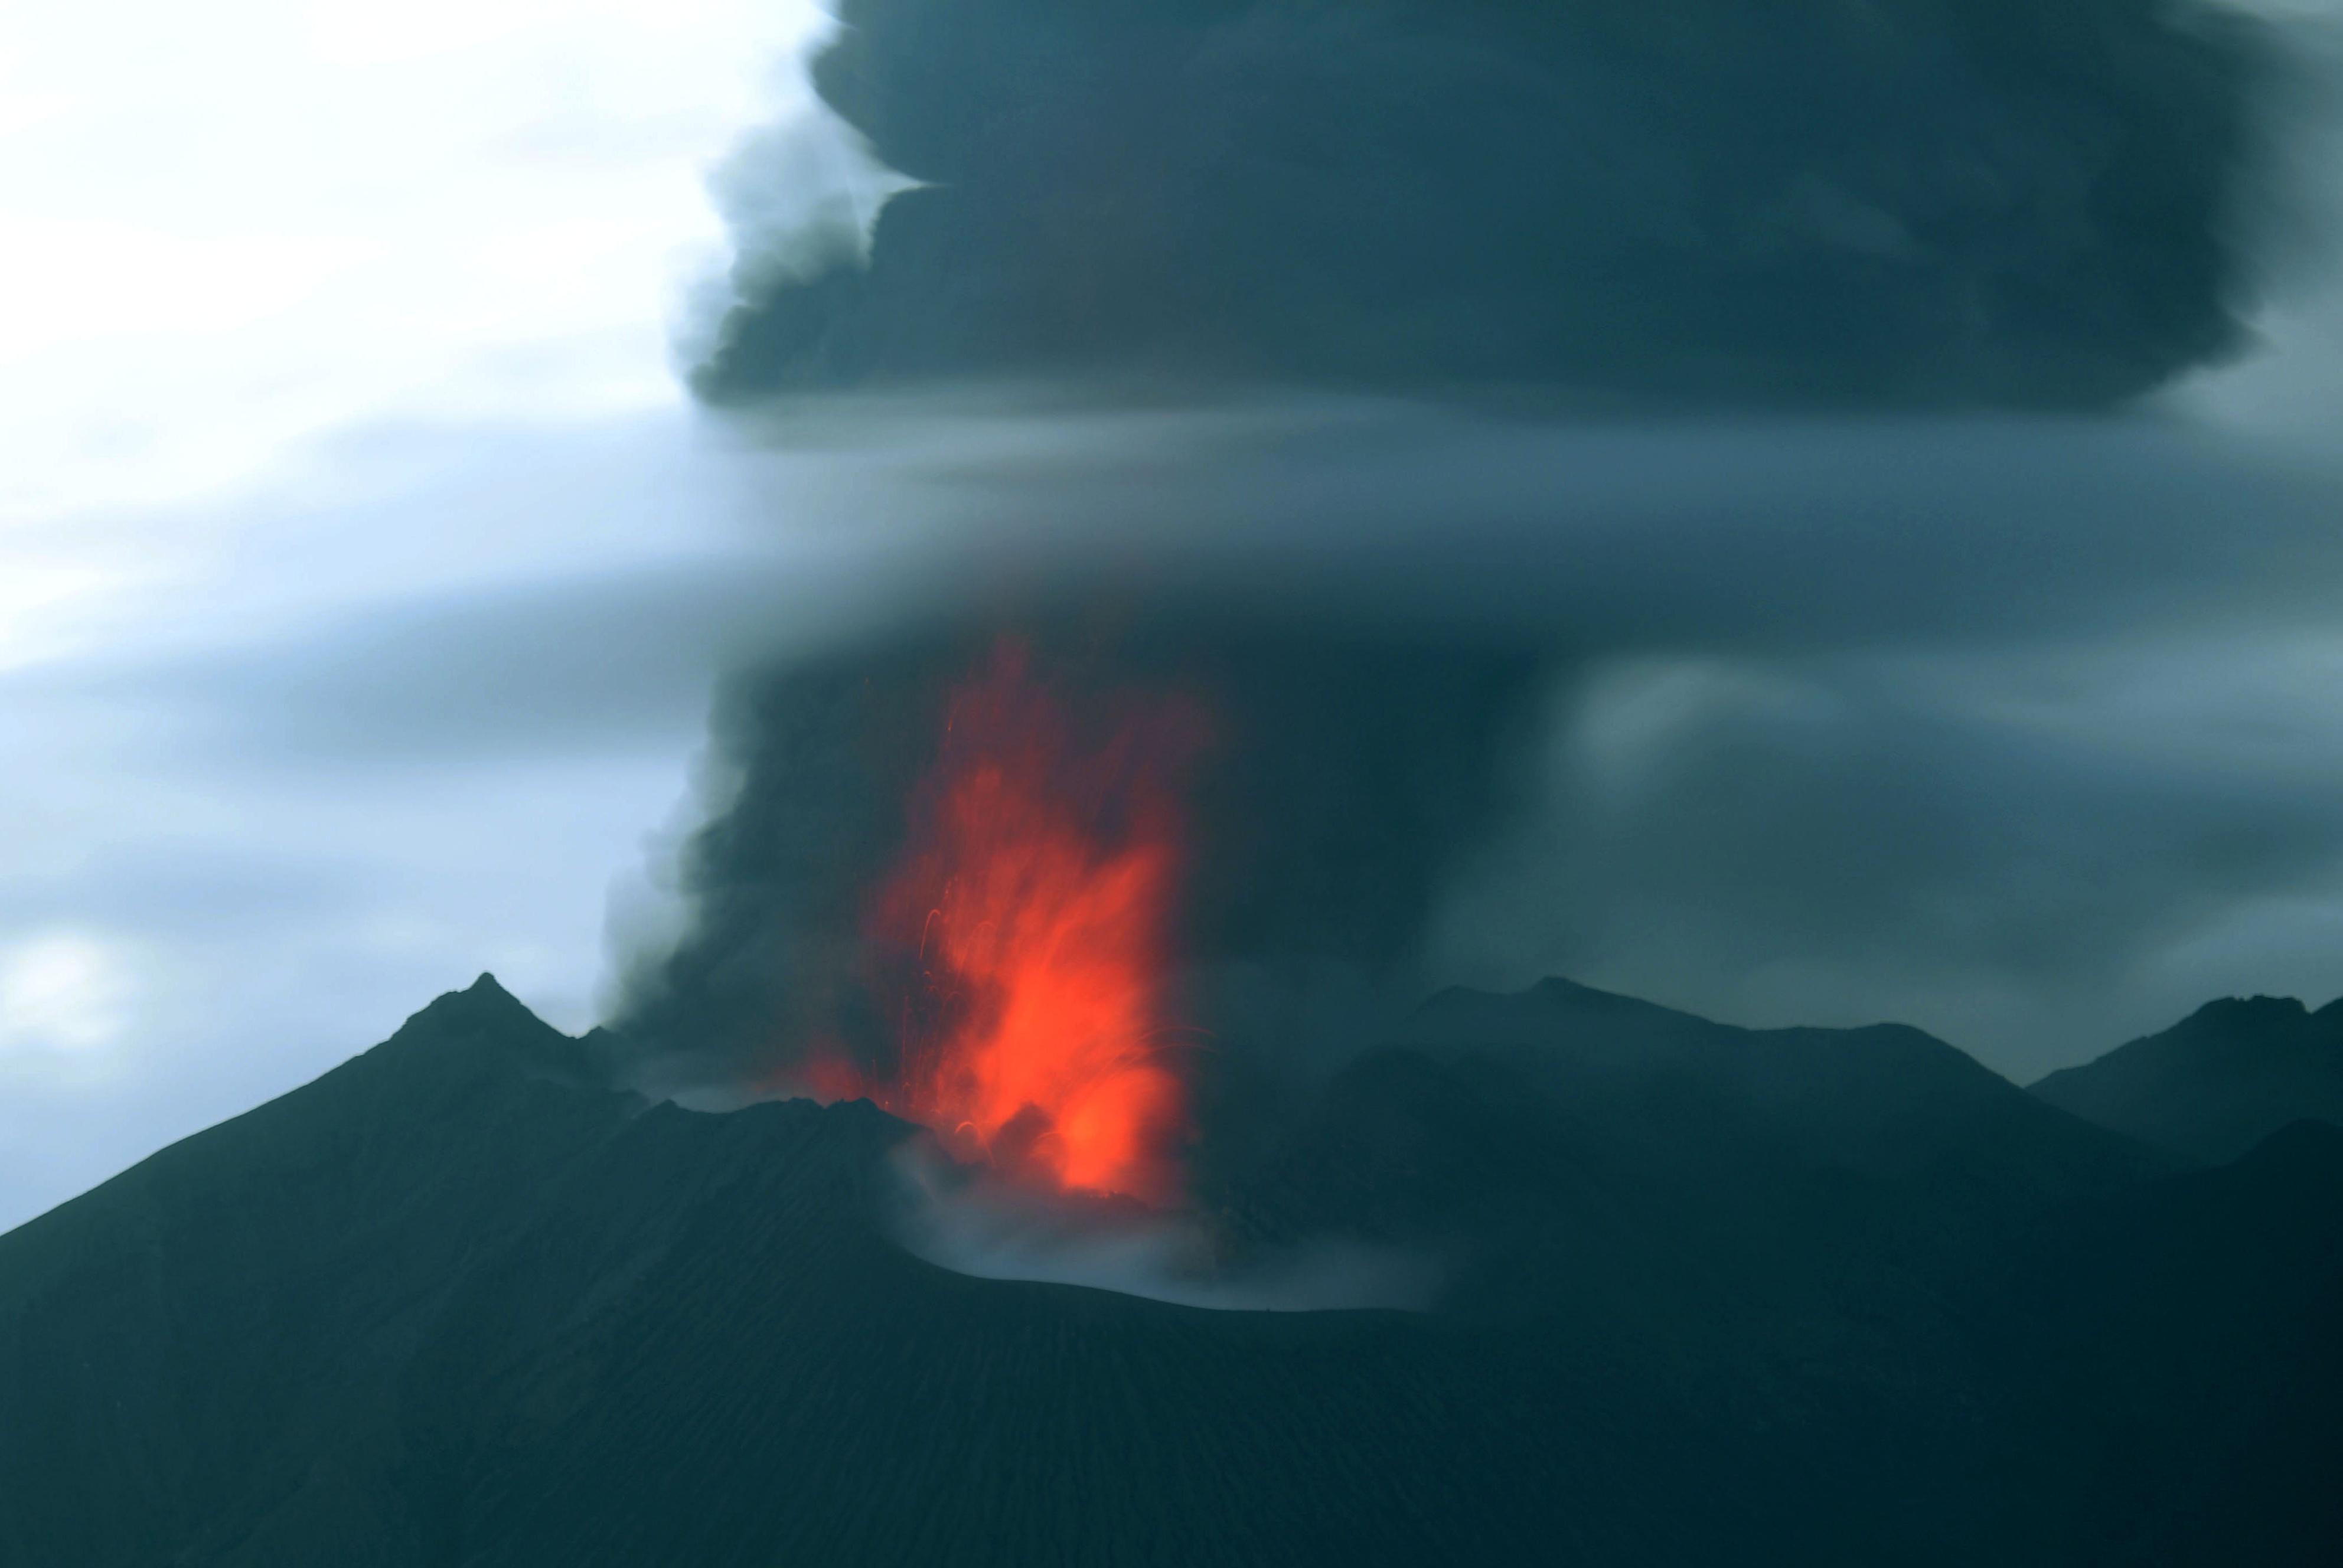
(1707, 1296)
(2216, 1083)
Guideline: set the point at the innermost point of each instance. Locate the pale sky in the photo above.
(315, 319)
(364, 574)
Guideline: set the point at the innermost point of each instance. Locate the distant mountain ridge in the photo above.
(1884, 1097)
(2219, 1082)
(1718, 1295)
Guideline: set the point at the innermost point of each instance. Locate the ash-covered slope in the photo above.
(2217, 1082)
(1806, 1297)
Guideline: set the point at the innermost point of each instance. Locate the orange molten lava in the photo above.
(1036, 899)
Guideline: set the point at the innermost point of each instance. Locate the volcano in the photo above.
(1712, 1296)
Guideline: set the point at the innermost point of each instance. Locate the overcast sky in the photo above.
(317, 321)
(363, 577)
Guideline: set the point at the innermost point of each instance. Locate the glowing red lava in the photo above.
(1036, 896)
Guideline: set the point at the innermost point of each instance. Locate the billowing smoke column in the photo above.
(1780, 202)
(1085, 877)
(1025, 888)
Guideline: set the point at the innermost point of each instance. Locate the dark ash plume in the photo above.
(1350, 775)
(1936, 203)
(1799, 783)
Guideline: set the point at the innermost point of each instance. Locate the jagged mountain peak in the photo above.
(2246, 1011)
(484, 1020)
(2217, 1082)
(432, 1310)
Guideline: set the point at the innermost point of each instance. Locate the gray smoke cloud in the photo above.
(1347, 775)
(1604, 661)
(2001, 727)
(1743, 202)
(964, 1221)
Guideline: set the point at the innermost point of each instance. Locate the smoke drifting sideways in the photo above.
(1386, 609)
(1400, 620)
(1772, 203)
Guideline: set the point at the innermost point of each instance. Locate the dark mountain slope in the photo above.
(1718, 1296)
(211, 1339)
(775, 1383)
(1886, 1100)
(1595, 1155)
(2187, 1358)
(2217, 1082)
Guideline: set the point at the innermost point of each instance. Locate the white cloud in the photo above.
(235, 226)
(62, 990)
(307, 311)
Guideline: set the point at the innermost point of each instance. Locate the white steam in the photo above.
(975, 1225)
